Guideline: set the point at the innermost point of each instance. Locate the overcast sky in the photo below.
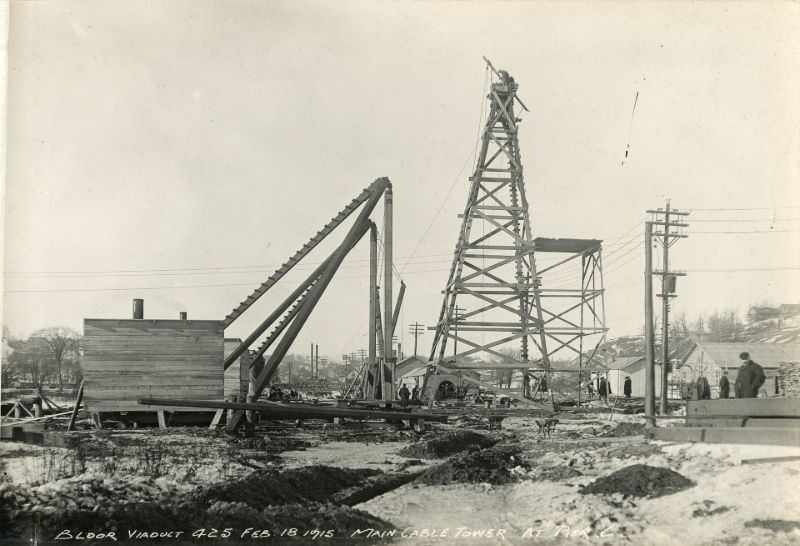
(180, 151)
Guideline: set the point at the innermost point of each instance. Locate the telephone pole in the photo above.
(666, 219)
(416, 330)
(650, 350)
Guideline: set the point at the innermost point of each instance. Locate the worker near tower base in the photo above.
(724, 386)
(628, 386)
(750, 378)
(404, 394)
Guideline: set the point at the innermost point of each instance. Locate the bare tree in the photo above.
(724, 326)
(28, 357)
(61, 347)
(6, 368)
(679, 327)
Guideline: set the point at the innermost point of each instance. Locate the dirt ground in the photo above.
(595, 480)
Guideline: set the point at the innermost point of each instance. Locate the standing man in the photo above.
(415, 393)
(750, 378)
(703, 388)
(404, 395)
(602, 390)
(724, 386)
(628, 386)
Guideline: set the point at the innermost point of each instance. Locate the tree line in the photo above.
(49, 356)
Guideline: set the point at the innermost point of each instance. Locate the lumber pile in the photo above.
(270, 410)
(767, 421)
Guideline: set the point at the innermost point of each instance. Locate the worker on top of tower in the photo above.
(505, 76)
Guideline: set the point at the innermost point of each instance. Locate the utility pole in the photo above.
(312, 361)
(650, 351)
(388, 362)
(666, 219)
(372, 370)
(416, 330)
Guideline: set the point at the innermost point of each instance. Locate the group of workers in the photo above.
(406, 395)
(749, 380)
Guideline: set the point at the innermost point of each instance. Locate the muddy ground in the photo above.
(595, 480)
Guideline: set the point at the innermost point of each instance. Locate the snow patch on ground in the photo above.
(349, 455)
(727, 495)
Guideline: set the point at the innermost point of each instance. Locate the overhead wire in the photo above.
(472, 153)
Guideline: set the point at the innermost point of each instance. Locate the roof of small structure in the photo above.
(769, 355)
(410, 364)
(414, 372)
(570, 246)
(623, 362)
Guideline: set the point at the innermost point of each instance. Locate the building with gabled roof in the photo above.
(711, 359)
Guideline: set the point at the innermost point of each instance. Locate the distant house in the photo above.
(756, 314)
(411, 371)
(789, 309)
(633, 366)
(711, 359)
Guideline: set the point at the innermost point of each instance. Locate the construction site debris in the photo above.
(776, 525)
(302, 498)
(625, 429)
(446, 444)
(273, 410)
(494, 465)
(271, 487)
(639, 480)
(707, 509)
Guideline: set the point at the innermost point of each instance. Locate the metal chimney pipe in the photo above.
(138, 309)
(182, 315)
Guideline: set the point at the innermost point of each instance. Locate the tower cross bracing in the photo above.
(493, 309)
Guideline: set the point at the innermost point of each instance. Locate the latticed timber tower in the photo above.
(492, 313)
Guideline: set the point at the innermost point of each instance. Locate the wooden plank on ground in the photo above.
(744, 407)
(761, 422)
(730, 422)
(725, 435)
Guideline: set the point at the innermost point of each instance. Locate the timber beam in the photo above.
(296, 411)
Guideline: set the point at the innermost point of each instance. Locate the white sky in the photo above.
(157, 137)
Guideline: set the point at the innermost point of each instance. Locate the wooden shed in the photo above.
(127, 359)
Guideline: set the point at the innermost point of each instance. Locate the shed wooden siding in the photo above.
(637, 370)
(237, 376)
(128, 359)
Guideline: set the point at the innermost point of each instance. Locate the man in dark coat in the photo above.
(750, 378)
(627, 387)
(405, 394)
(703, 388)
(724, 386)
(603, 389)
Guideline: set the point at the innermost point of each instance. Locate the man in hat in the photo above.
(724, 386)
(750, 378)
(703, 388)
(628, 386)
(405, 394)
